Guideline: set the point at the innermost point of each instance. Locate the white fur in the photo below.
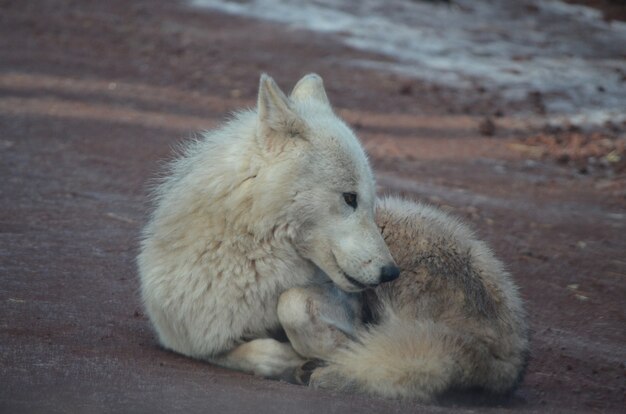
(252, 209)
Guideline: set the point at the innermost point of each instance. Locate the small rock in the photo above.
(487, 127)
(563, 158)
(406, 89)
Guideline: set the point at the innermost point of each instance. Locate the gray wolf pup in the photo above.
(272, 220)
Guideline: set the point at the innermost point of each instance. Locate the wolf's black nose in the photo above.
(389, 273)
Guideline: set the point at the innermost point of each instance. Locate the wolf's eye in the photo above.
(350, 199)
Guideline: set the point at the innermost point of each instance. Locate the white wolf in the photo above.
(281, 200)
(268, 202)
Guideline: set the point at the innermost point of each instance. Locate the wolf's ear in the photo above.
(311, 86)
(275, 111)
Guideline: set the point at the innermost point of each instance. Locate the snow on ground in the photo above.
(569, 54)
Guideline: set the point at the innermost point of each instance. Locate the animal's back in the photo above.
(454, 280)
(443, 262)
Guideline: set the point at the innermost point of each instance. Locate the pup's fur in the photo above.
(258, 208)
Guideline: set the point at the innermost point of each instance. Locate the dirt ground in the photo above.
(93, 95)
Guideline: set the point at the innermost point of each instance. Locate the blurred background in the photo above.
(509, 114)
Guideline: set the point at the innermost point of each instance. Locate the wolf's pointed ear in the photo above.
(311, 86)
(275, 111)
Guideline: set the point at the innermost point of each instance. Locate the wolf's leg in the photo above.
(319, 319)
(265, 357)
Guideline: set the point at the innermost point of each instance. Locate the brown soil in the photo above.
(93, 95)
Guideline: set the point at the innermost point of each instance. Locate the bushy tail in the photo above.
(395, 359)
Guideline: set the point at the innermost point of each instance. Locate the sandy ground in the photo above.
(93, 95)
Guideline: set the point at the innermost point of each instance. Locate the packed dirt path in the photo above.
(94, 95)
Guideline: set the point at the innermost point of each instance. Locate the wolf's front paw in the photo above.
(270, 358)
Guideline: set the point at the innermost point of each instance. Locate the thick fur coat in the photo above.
(453, 320)
(272, 221)
(250, 210)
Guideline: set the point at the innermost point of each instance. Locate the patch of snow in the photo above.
(568, 53)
